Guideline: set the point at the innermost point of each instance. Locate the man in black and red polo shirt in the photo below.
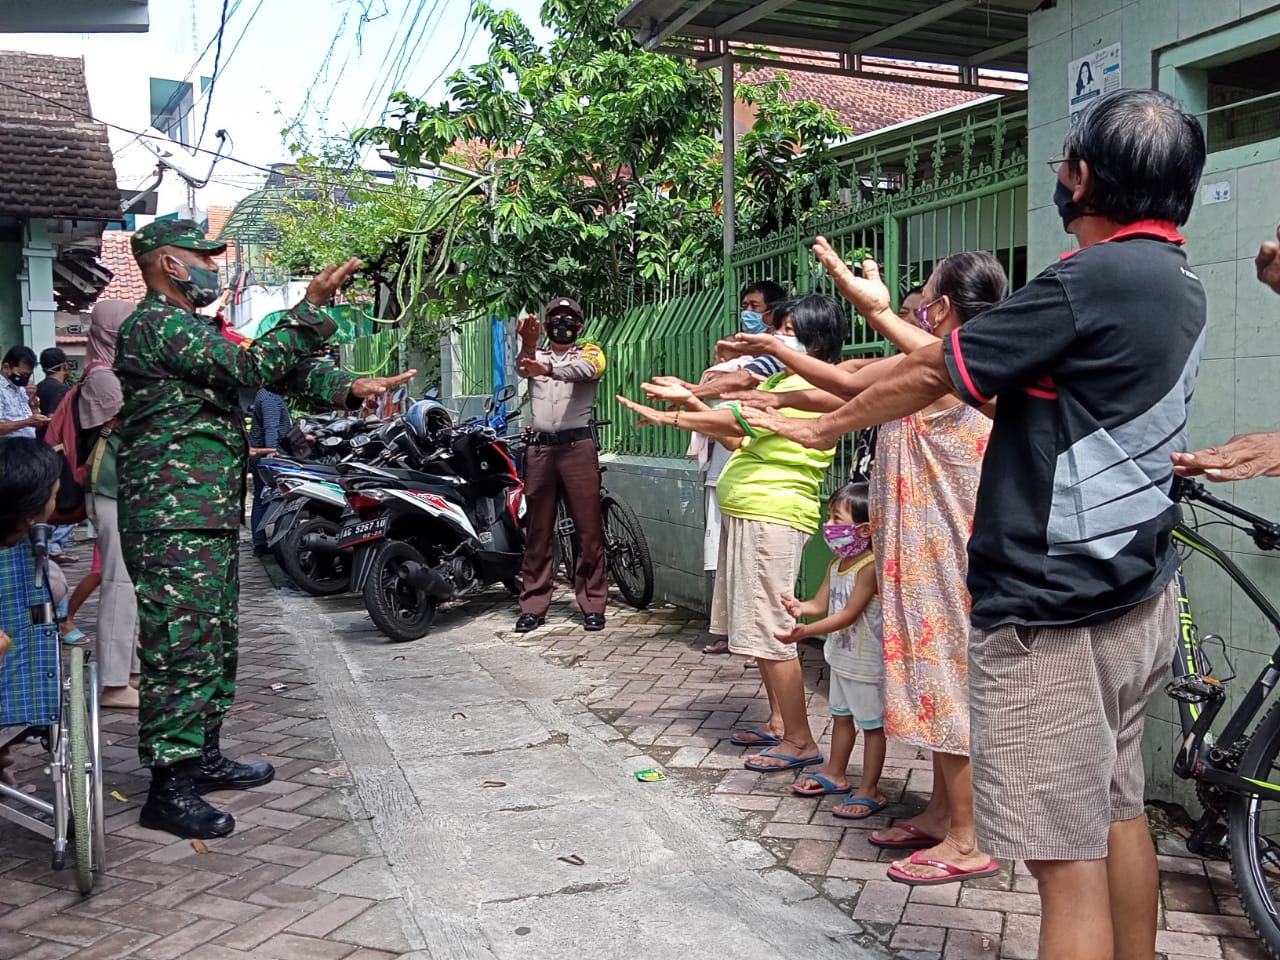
(1070, 561)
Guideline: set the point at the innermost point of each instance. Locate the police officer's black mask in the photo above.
(563, 328)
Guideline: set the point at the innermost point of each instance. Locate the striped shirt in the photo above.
(271, 420)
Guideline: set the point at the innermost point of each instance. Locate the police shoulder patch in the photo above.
(595, 356)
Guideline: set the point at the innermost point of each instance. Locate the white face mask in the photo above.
(789, 341)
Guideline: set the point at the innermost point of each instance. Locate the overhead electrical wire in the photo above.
(371, 190)
(217, 63)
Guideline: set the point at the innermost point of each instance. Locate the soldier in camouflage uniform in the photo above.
(181, 471)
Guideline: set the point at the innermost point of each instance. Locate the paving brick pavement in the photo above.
(303, 876)
(298, 879)
(654, 686)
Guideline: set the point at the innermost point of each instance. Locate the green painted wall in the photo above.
(10, 294)
(1236, 389)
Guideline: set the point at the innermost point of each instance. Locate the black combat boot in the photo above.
(174, 806)
(216, 772)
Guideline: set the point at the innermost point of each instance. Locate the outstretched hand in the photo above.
(1242, 457)
(330, 280)
(528, 329)
(760, 399)
(755, 344)
(867, 293)
(1268, 262)
(367, 387)
(658, 418)
(668, 390)
(803, 431)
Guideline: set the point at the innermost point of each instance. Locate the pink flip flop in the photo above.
(917, 839)
(952, 873)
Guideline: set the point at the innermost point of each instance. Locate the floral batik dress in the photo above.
(923, 490)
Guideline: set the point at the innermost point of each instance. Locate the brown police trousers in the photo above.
(571, 470)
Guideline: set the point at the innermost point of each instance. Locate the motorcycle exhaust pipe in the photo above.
(321, 543)
(426, 579)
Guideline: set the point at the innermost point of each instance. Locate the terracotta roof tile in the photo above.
(864, 105)
(57, 162)
(126, 282)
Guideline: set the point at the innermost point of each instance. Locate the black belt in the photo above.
(554, 438)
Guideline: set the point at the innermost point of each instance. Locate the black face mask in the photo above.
(1068, 209)
(563, 330)
(19, 379)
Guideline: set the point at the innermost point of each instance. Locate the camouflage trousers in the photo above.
(188, 587)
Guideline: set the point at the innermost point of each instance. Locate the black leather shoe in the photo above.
(593, 621)
(529, 621)
(174, 806)
(261, 550)
(216, 772)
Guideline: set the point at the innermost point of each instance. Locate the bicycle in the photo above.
(626, 551)
(1234, 772)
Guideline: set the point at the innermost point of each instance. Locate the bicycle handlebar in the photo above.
(1265, 533)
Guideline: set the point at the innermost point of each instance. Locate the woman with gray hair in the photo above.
(99, 406)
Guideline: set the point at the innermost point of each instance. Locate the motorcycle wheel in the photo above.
(319, 574)
(399, 610)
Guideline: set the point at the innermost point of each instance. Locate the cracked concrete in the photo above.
(493, 871)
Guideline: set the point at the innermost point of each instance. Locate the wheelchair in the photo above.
(55, 702)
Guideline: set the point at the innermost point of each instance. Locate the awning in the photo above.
(973, 44)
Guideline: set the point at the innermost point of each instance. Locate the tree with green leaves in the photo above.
(598, 169)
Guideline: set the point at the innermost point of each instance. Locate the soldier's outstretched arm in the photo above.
(200, 354)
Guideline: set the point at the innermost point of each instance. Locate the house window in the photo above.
(1243, 101)
(171, 106)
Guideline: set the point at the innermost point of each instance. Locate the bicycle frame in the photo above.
(1202, 757)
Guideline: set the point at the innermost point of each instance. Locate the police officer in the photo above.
(560, 461)
(181, 478)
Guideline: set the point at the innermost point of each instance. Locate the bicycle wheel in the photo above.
(1254, 830)
(627, 552)
(98, 810)
(77, 772)
(564, 552)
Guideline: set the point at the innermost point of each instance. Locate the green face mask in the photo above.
(201, 286)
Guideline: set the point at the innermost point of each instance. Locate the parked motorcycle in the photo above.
(444, 531)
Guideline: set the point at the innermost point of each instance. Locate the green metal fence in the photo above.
(673, 338)
(376, 355)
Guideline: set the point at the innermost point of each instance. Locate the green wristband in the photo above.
(746, 427)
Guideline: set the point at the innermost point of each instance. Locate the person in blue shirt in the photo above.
(271, 423)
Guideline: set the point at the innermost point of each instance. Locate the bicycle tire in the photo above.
(629, 562)
(1258, 901)
(564, 552)
(97, 809)
(77, 771)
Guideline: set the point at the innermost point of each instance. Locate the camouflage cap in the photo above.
(173, 233)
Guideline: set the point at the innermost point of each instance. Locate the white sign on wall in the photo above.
(1090, 77)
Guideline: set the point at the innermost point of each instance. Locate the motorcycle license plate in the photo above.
(363, 530)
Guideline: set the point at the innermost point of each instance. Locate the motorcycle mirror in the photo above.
(432, 394)
(488, 405)
(508, 392)
(330, 441)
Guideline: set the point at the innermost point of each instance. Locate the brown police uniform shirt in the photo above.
(563, 401)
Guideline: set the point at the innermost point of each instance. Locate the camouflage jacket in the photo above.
(182, 439)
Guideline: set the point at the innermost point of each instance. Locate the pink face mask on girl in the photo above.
(844, 539)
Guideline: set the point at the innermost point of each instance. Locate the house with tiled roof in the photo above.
(57, 194)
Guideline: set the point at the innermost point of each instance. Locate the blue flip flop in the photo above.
(828, 787)
(792, 763)
(871, 807)
(76, 638)
(763, 738)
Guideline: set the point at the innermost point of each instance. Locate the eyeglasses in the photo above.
(1055, 164)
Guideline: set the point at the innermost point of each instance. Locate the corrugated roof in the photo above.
(966, 43)
(57, 164)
